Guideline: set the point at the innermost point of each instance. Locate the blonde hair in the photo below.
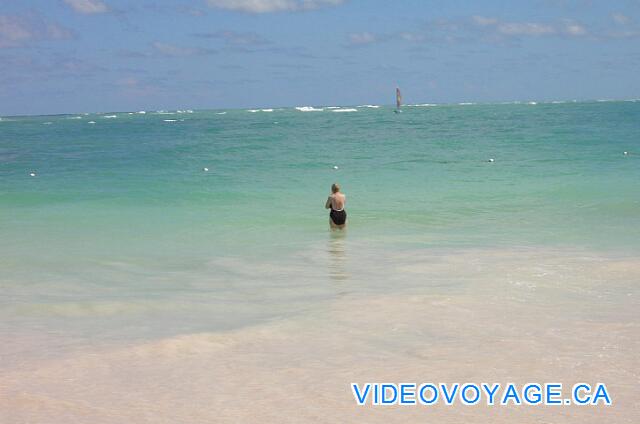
(335, 188)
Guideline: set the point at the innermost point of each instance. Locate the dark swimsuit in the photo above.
(338, 217)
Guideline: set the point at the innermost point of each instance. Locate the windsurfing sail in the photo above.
(398, 99)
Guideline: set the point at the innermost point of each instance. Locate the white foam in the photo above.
(142, 112)
(532, 103)
(345, 110)
(47, 123)
(91, 122)
(253, 110)
(333, 107)
(170, 120)
(423, 105)
(110, 116)
(466, 104)
(205, 169)
(308, 109)
(370, 106)
(221, 113)
(266, 110)
(33, 174)
(74, 117)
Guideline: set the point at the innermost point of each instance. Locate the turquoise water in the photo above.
(121, 213)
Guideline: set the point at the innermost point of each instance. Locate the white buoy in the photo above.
(335, 167)
(491, 160)
(205, 169)
(33, 174)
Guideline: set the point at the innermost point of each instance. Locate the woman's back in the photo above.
(337, 201)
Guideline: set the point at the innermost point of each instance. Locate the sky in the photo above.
(73, 56)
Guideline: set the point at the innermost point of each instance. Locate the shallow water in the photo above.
(125, 264)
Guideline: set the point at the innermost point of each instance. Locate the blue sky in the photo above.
(65, 56)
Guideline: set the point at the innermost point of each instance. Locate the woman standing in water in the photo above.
(335, 202)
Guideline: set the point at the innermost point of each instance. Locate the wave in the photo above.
(532, 103)
(110, 116)
(91, 122)
(333, 107)
(308, 109)
(370, 106)
(142, 112)
(259, 110)
(466, 104)
(170, 120)
(74, 117)
(221, 113)
(423, 105)
(345, 110)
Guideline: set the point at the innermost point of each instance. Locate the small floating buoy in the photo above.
(625, 153)
(491, 160)
(335, 167)
(33, 174)
(205, 169)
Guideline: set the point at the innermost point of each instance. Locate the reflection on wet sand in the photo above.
(337, 254)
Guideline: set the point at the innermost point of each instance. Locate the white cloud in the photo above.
(621, 19)
(574, 29)
(362, 38)
(13, 32)
(167, 49)
(16, 31)
(236, 38)
(269, 6)
(87, 7)
(524, 28)
(534, 29)
(484, 21)
(412, 37)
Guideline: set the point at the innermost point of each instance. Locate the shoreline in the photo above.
(510, 317)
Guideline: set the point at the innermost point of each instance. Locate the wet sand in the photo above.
(454, 316)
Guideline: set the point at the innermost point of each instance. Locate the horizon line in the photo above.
(361, 105)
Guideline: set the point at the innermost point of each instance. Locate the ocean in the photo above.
(159, 266)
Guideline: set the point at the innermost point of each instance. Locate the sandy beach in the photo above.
(506, 321)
